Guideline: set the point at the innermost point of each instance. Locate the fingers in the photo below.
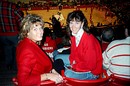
(56, 78)
(59, 79)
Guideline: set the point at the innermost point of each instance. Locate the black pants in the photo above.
(58, 65)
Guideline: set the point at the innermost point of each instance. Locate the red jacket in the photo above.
(49, 45)
(87, 56)
(31, 63)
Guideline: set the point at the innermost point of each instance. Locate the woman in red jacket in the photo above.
(86, 55)
(33, 64)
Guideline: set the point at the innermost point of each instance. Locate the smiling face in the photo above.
(36, 32)
(75, 26)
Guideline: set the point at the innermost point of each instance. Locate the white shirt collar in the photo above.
(78, 36)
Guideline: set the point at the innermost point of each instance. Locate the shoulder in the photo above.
(114, 45)
(89, 38)
(118, 42)
(88, 35)
(26, 43)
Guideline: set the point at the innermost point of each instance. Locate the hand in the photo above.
(69, 67)
(57, 78)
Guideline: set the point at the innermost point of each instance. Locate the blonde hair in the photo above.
(26, 24)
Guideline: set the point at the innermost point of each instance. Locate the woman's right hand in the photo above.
(57, 78)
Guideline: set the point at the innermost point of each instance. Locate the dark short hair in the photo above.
(108, 34)
(128, 26)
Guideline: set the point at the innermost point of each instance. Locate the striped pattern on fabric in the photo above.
(116, 58)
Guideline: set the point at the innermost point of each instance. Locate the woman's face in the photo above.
(75, 26)
(36, 32)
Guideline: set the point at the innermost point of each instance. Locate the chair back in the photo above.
(102, 81)
(43, 83)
